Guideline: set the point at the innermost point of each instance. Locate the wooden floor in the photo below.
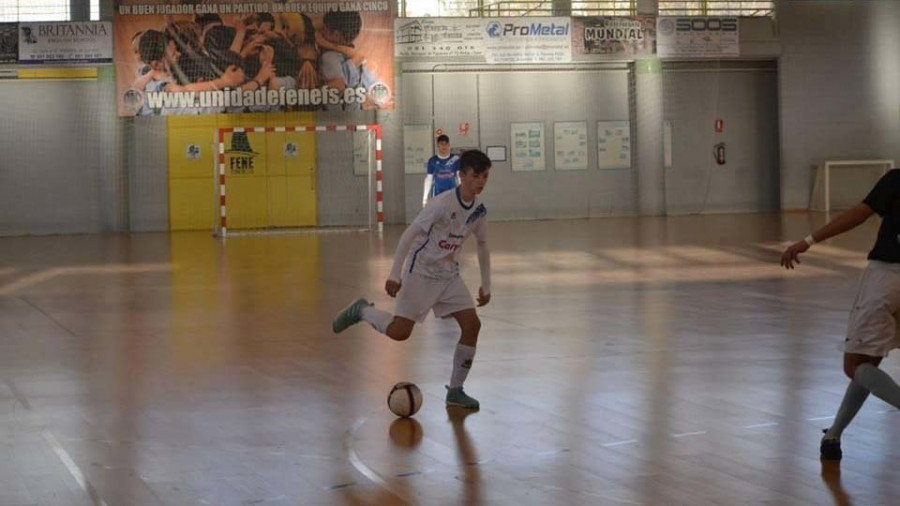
(652, 361)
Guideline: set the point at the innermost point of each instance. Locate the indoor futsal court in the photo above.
(191, 194)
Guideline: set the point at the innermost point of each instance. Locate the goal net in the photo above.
(841, 184)
(296, 178)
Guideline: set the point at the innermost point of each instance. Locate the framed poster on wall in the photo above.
(570, 145)
(496, 153)
(527, 146)
(614, 144)
(417, 147)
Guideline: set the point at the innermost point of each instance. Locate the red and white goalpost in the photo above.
(222, 229)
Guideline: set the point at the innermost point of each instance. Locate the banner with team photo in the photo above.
(613, 38)
(439, 37)
(235, 56)
(697, 37)
(66, 42)
(9, 42)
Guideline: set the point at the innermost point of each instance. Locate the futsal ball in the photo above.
(405, 399)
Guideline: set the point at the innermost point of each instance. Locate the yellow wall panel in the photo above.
(198, 121)
(278, 152)
(270, 177)
(246, 202)
(302, 191)
(192, 152)
(241, 120)
(292, 202)
(192, 204)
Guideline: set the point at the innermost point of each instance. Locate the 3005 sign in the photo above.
(706, 24)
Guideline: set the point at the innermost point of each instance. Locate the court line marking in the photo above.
(619, 443)
(39, 277)
(72, 468)
(688, 434)
(361, 466)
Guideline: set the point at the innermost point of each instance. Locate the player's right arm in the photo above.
(429, 180)
(877, 201)
(392, 285)
(847, 220)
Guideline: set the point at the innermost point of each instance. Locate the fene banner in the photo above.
(233, 56)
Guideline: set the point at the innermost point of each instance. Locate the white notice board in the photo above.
(527, 146)
(614, 144)
(570, 145)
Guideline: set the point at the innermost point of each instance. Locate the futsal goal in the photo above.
(290, 178)
(841, 184)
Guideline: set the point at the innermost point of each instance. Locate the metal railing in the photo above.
(753, 8)
(522, 8)
(517, 8)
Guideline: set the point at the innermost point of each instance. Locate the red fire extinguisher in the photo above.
(719, 153)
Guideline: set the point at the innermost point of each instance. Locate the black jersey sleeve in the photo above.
(885, 190)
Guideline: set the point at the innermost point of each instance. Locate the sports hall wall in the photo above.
(839, 77)
(70, 165)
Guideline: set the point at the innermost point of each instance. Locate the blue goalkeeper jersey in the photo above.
(444, 171)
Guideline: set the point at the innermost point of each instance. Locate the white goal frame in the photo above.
(824, 176)
(222, 230)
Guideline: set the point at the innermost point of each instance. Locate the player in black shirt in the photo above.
(872, 331)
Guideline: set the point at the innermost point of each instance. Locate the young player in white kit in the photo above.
(872, 331)
(430, 278)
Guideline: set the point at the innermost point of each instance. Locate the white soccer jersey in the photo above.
(447, 223)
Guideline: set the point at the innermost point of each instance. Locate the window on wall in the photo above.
(443, 8)
(604, 7)
(41, 10)
(716, 8)
(492, 8)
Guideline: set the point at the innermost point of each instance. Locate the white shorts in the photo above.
(873, 327)
(419, 294)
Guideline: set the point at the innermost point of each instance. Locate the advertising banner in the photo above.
(488, 40)
(233, 56)
(612, 38)
(69, 42)
(697, 37)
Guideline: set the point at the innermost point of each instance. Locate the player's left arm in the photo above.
(484, 263)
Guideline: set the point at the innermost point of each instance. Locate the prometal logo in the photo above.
(537, 29)
(494, 29)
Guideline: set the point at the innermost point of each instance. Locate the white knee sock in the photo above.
(377, 318)
(879, 383)
(854, 398)
(462, 362)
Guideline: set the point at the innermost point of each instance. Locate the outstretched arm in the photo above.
(846, 221)
(392, 286)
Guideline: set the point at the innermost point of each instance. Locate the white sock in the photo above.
(377, 318)
(462, 362)
(854, 398)
(879, 383)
